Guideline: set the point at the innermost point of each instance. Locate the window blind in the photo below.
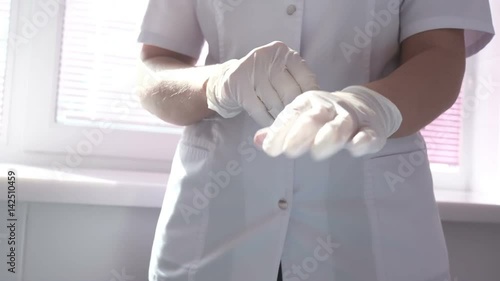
(442, 136)
(4, 33)
(97, 75)
(98, 65)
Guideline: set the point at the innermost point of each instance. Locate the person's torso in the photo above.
(344, 42)
(232, 213)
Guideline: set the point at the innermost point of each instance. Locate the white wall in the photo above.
(474, 251)
(76, 242)
(61, 242)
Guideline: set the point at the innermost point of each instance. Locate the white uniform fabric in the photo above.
(232, 213)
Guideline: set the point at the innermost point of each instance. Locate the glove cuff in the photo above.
(382, 106)
(217, 92)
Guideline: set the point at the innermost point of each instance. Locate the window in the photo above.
(4, 32)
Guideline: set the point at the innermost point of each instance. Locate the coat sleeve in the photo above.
(172, 25)
(473, 16)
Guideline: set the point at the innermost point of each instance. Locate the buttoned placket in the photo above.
(294, 11)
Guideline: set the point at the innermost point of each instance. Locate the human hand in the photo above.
(357, 118)
(261, 83)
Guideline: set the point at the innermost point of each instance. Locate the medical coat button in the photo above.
(283, 204)
(291, 10)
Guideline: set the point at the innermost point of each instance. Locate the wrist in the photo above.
(219, 98)
(383, 108)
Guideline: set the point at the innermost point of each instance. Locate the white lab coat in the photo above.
(232, 213)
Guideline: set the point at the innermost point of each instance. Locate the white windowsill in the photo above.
(142, 189)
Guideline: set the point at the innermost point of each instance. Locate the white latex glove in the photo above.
(262, 83)
(357, 118)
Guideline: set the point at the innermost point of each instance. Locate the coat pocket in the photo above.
(398, 172)
(407, 233)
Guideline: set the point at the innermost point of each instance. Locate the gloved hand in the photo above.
(262, 83)
(357, 118)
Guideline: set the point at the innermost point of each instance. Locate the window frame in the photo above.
(481, 129)
(7, 90)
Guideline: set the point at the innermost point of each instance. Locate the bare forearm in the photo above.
(174, 91)
(423, 87)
